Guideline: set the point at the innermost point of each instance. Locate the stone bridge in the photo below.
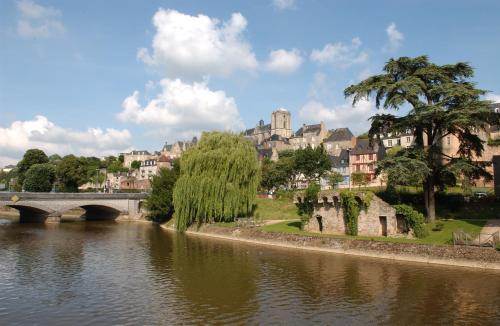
(49, 207)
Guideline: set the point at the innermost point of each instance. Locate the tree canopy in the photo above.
(442, 100)
(31, 157)
(313, 163)
(160, 204)
(218, 180)
(71, 173)
(40, 178)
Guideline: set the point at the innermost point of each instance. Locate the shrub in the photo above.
(306, 207)
(40, 178)
(497, 247)
(413, 219)
(351, 211)
(438, 226)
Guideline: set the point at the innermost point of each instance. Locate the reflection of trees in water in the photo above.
(434, 295)
(214, 281)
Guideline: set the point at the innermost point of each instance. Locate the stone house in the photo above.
(176, 149)
(404, 139)
(165, 162)
(364, 157)
(379, 219)
(148, 169)
(312, 135)
(340, 164)
(134, 155)
(450, 146)
(135, 184)
(339, 139)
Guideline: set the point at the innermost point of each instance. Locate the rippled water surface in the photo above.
(88, 273)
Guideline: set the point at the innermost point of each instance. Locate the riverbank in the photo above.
(461, 256)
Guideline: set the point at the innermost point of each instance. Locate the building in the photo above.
(378, 219)
(134, 155)
(339, 139)
(309, 135)
(113, 180)
(135, 184)
(404, 139)
(176, 149)
(165, 162)
(491, 147)
(8, 168)
(280, 128)
(340, 164)
(148, 169)
(364, 157)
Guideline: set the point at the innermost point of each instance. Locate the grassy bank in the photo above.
(442, 237)
(275, 209)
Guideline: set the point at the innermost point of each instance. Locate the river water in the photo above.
(91, 273)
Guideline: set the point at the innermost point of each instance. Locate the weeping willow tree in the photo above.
(218, 181)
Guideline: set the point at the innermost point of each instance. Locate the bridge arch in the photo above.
(31, 212)
(95, 210)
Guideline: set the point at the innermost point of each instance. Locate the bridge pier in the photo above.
(54, 217)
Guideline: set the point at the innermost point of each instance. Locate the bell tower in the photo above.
(281, 123)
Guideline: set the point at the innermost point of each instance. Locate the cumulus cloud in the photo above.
(195, 46)
(183, 110)
(36, 21)
(344, 115)
(51, 138)
(493, 97)
(395, 37)
(340, 55)
(283, 61)
(284, 4)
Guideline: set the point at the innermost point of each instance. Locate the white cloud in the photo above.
(340, 55)
(395, 37)
(283, 61)
(344, 115)
(284, 4)
(321, 86)
(195, 46)
(47, 136)
(493, 97)
(183, 110)
(36, 21)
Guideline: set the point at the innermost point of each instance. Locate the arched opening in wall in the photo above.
(336, 202)
(140, 207)
(100, 213)
(383, 225)
(319, 218)
(325, 201)
(29, 214)
(8, 215)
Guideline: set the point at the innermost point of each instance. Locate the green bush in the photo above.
(306, 207)
(438, 226)
(351, 211)
(498, 246)
(40, 178)
(413, 219)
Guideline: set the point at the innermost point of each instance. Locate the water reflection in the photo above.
(136, 273)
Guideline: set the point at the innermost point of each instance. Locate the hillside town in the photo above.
(348, 153)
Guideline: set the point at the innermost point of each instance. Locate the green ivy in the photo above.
(306, 207)
(414, 219)
(351, 211)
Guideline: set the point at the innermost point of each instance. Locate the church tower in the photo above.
(281, 123)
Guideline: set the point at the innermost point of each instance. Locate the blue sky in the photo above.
(100, 77)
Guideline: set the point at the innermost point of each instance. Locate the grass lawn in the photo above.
(275, 209)
(435, 237)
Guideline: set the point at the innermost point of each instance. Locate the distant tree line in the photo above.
(37, 172)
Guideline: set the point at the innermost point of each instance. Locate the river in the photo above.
(90, 273)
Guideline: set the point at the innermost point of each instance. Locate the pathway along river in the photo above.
(88, 273)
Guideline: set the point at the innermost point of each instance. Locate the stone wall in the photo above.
(379, 219)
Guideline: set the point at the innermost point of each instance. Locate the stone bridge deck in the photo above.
(48, 207)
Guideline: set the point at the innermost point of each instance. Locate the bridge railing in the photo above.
(6, 196)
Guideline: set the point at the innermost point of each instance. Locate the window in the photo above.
(370, 157)
(370, 167)
(448, 140)
(341, 161)
(357, 158)
(336, 146)
(408, 139)
(389, 142)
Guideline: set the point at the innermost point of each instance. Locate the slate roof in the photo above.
(307, 129)
(363, 147)
(337, 160)
(257, 130)
(340, 134)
